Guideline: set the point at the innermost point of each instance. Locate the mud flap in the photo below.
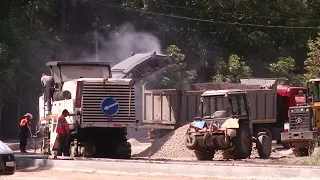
(264, 145)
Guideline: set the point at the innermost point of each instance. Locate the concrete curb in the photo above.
(212, 169)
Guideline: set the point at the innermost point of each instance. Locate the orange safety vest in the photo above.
(62, 122)
(23, 122)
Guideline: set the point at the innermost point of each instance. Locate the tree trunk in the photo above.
(19, 105)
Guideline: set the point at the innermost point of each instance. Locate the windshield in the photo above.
(213, 104)
(314, 89)
(75, 72)
(231, 105)
(300, 97)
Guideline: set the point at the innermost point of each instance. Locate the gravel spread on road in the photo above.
(172, 147)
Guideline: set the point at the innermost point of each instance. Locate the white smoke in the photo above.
(125, 40)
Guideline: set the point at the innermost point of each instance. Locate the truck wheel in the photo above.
(190, 141)
(266, 130)
(123, 151)
(243, 144)
(203, 155)
(264, 146)
(286, 145)
(300, 152)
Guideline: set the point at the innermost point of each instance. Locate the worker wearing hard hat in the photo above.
(48, 89)
(63, 134)
(25, 128)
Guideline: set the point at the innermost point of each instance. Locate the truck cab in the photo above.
(101, 109)
(302, 129)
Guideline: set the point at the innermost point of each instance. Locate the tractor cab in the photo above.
(225, 125)
(220, 105)
(313, 92)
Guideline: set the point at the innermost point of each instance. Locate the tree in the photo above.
(176, 75)
(312, 63)
(231, 72)
(23, 32)
(284, 69)
(246, 28)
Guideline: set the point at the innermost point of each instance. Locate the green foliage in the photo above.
(220, 33)
(312, 63)
(22, 32)
(314, 159)
(232, 71)
(284, 69)
(176, 75)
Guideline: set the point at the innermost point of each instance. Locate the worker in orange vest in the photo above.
(63, 134)
(25, 128)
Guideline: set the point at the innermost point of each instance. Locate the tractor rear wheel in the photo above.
(243, 142)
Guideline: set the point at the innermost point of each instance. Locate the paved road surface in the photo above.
(63, 175)
(67, 175)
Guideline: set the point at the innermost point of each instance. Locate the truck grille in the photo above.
(94, 93)
(300, 120)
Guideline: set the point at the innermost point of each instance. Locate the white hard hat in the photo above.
(28, 114)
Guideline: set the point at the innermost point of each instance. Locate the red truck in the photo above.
(287, 96)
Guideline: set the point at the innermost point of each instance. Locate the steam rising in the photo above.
(125, 40)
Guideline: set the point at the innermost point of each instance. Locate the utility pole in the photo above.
(94, 24)
(63, 28)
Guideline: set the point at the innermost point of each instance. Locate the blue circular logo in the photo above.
(109, 106)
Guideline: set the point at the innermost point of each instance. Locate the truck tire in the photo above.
(190, 141)
(285, 145)
(243, 143)
(266, 130)
(300, 152)
(264, 145)
(123, 151)
(204, 155)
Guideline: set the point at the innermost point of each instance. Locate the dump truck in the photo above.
(225, 124)
(167, 109)
(302, 129)
(101, 109)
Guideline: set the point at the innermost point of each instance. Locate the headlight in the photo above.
(286, 127)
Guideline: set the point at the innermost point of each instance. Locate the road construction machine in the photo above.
(101, 109)
(302, 128)
(225, 124)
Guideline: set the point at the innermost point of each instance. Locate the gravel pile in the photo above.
(170, 146)
(133, 142)
(221, 85)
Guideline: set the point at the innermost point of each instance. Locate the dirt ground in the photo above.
(278, 156)
(64, 175)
